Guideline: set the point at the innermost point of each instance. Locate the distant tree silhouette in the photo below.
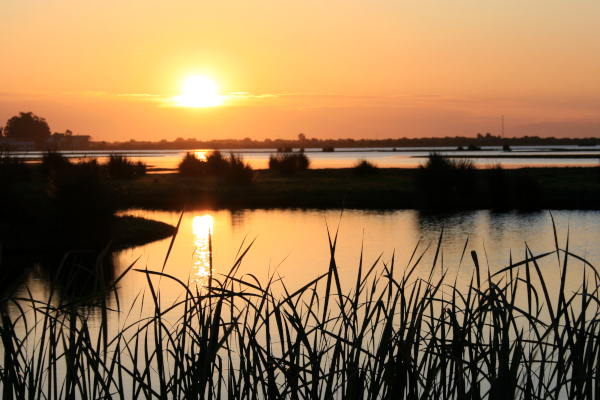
(28, 126)
(301, 137)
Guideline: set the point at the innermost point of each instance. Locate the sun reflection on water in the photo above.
(202, 227)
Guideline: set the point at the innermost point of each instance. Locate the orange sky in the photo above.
(329, 69)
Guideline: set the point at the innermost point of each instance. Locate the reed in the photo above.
(238, 171)
(364, 167)
(392, 335)
(289, 163)
(233, 168)
(190, 165)
(446, 183)
(122, 167)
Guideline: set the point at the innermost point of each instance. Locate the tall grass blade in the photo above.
(172, 241)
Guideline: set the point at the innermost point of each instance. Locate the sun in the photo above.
(200, 91)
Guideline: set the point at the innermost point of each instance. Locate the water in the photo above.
(557, 156)
(293, 245)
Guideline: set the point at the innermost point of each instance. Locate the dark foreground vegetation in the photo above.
(289, 163)
(392, 335)
(60, 205)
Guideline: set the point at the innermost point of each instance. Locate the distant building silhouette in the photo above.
(68, 141)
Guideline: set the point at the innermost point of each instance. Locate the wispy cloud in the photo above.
(52, 93)
(241, 96)
(144, 96)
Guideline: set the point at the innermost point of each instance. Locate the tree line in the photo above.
(469, 143)
(30, 127)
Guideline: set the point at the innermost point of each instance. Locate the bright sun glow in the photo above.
(199, 91)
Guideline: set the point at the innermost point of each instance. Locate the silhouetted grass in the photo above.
(364, 167)
(446, 183)
(216, 163)
(238, 171)
(122, 167)
(289, 163)
(190, 165)
(233, 168)
(392, 335)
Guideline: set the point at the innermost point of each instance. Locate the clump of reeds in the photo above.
(444, 182)
(391, 335)
(122, 167)
(289, 163)
(364, 167)
(191, 165)
(233, 168)
(216, 164)
(238, 171)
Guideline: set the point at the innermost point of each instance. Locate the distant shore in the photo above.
(480, 140)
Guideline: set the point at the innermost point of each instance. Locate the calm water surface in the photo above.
(293, 244)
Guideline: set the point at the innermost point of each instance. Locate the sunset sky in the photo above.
(329, 69)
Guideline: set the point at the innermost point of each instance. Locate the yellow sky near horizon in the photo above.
(331, 69)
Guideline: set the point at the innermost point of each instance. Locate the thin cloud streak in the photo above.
(169, 99)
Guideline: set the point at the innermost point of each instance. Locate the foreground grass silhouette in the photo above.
(393, 336)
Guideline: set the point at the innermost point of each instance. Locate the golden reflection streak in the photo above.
(202, 227)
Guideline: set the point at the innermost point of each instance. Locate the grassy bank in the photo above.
(392, 335)
(530, 188)
(49, 210)
(125, 231)
(58, 205)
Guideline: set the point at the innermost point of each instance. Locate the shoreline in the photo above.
(389, 188)
(30, 222)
